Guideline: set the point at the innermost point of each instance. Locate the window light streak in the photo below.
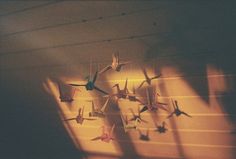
(79, 98)
(197, 138)
(185, 106)
(74, 129)
(183, 86)
(166, 114)
(219, 86)
(166, 143)
(226, 129)
(160, 78)
(200, 125)
(170, 130)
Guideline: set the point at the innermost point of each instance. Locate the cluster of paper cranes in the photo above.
(151, 104)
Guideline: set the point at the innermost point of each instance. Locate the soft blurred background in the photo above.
(190, 43)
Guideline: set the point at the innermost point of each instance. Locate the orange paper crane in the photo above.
(105, 136)
(121, 93)
(80, 117)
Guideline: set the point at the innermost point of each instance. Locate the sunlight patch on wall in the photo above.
(207, 127)
(77, 132)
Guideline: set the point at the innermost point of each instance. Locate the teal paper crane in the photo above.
(90, 85)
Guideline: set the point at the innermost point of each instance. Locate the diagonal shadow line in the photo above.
(151, 89)
(84, 43)
(128, 149)
(155, 115)
(31, 124)
(79, 21)
(30, 8)
(174, 125)
(69, 126)
(189, 75)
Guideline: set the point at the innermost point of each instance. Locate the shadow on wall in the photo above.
(33, 129)
(192, 66)
(190, 49)
(127, 148)
(198, 38)
(31, 126)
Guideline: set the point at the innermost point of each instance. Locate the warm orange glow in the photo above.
(184, 133)
(78, 132)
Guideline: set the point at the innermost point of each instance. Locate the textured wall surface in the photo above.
(190, 44)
